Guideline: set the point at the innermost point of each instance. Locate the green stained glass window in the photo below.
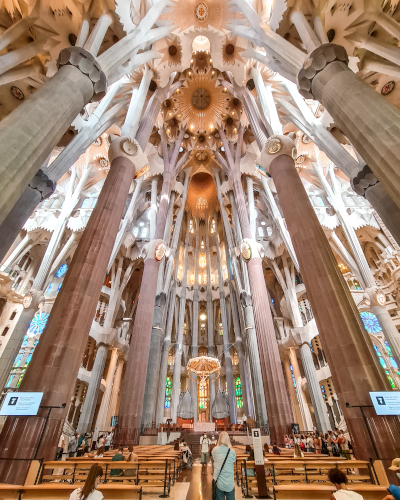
(238, 393)
(168, 387)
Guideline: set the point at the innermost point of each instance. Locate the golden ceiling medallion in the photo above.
(273, 145)
(201, 11)
(201, 156)
(201, 98)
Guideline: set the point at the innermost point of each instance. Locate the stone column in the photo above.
(54, 367)
(153, 207)
(89, 406)
(251, 207)
(344, 340)
(114, 393)
(314, 389)
(101, 423)
(292, 392)
(375, 132)
(179, 336)
(195, 319)
(304, 409)
(224, 321)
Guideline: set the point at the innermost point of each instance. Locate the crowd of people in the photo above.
(333, 443)
(85, 445)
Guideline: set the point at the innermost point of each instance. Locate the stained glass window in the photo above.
(18, 360)
(235, 358)
(371, 323)
(87, 203)
(49, 288)
(59, 286)
(203, 394)
(28, 359)
(9, 381)
(381, 360)
(238, 393)
(38, 323)
(294, 383)
(168, 387)
(390, 380)
(61, 271)
(389, 352)
(25, 341)
(323, 391)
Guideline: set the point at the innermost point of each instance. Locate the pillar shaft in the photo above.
(114, 393)
(343, 337)
(92, 393)
(292, 392)
(55, 364)
(102, 424)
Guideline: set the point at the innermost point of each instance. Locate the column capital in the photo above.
(250, 249)
(88, 65)
(155, 249)
(363, 181)
(42, 184)
(130, 149)
(275, 146)
(317, 61)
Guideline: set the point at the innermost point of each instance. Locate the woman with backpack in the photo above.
(224, 475)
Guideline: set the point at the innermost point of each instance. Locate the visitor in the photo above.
(244, 421)
(297, 439)
(393, 489)
(186, 455)
(118, 457)
(297, 451)
(317, 443)
(88, 491)
(287, 441)
(339, 479)
(343, 444)
(291, 441)
(276, 450)
(98, 454)
(310, 443)
(181, 443)
(86, 451)
(107, 443)
(101, 441)
(212, 446)
(248, 449)
(303, 442)
(131, 458)
(80, 439)
(73, 445)
(60, 448)
(224, 458)
(205, 447)
(324, 444)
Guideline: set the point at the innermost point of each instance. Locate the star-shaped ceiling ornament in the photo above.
(231, 51)
(172, 53)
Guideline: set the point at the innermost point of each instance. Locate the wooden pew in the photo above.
(323, 492)
(62, 491)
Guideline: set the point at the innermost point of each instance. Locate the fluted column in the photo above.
(89, 406)
(55, 364)
(292, 392)
(112, 409)
(101, 423)
(344, 340)
(153, 207)
(195, 320)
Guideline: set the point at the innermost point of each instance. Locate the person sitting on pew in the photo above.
(393, 489)
(88, 490)
(248, 449)
(131, 458)
(276, 450)
(99, 453)
(118, 457)
(339, 479)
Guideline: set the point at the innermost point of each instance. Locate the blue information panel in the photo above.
(386, 403)
(21, 403)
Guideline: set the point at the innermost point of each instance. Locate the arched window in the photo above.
(135, 231)
(61, 271)
(381, 360)
(14, 313)
(294, 384)
(269, 231)
(260, 231)
(371, 322)
(144, 232)
(5, 331)
(49, 288)
(203, 394)
(320, 201)
(38, 323)
(168, 386)
(238, 393)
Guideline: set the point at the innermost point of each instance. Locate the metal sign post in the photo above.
(259, 464)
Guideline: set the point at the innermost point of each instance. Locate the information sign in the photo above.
(257, 446)
(386, 403)
(21, 403)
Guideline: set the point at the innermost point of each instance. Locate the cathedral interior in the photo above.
(199, 218)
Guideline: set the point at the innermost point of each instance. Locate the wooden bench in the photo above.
(62, 491)
(323, 492)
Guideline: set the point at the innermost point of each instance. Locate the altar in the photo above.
(204, 427)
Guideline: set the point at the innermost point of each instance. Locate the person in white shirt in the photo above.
(339, 479)
(205, 447)
(88, 491)
(244, 420)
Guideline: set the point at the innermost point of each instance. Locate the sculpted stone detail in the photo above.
(43, 184)
(155, 249)
(130, 149)
(363, 180)
(88, 65)
(275, 146)
(316, 62)
(250, 249)
(376, 296)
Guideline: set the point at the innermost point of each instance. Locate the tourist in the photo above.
(99, 453)
(181, 443)
(276, 450)
(287, 443)
(88, 491)
(73, 445)
(339, 479)
(60, 448)
(224, 472)
(101, 441)
(297, 451)
(107, 443)
(303, 442)
(324, 444)
(205, 447)
(393, 489)
(86, 451)
(248, 449)
(310, 443)
(212, 446)
(186, 455)
(118, 457)
(317, 443)
(131, 458)
(343, 444)
(297, 439)
(80, 439)
(244, 421)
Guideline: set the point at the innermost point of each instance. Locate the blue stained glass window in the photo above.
(9, 380)
(168, 387)
(49, 288)
(38, 323)
(394, 364)
(273, 302)
(18, 360)
(294, 383)
(28, 359)
(24, 343)
(371, 323)
(61, 271)
(59, 286)
(87, 203)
